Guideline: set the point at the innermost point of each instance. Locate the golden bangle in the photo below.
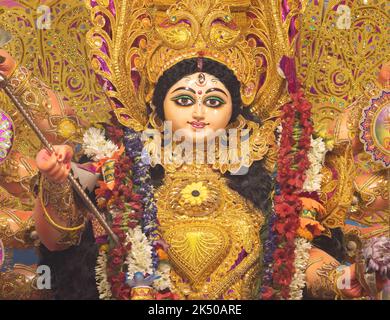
(13, 71)
(18, 81)
(49, 219)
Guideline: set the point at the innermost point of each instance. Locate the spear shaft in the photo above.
(74, 183)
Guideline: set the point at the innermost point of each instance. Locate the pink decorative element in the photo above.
(285, 9)
(289, 69)
(10, 4)
(375, 128)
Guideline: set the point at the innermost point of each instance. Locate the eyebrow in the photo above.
(184, 88)
(216, 89)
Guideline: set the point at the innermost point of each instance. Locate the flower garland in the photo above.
(309, 227)
(164, 272)
(141, 178)
(316, 157)
(96, 146)
(126, 212)
(126, 194)
(103, 285)
(139, 259)
(311, 186)
(292, 165)
(298, 283)
(269, 240)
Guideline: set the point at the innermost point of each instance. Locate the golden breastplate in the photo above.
(212, 233)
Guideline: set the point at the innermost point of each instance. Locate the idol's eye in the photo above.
(214, 102)
(183, 100)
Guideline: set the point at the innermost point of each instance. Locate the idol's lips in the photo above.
(198, 124)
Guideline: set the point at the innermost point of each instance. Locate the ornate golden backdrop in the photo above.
(341, 51)
(58, 56)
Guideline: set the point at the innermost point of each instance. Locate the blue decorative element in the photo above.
(140, 281)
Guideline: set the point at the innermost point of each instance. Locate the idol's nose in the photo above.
(199, 111)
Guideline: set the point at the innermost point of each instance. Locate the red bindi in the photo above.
(200, 92)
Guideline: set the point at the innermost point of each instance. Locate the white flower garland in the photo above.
(96, 146)
(302, 248)
(164, 282)
(102, 283)
(316, 157)
(312, 183)
(139, 258)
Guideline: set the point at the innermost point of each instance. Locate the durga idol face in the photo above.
(198, 105)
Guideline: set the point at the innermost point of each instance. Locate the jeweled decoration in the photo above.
(6, 135)
(375, 128)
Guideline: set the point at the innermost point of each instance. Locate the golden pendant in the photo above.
(212, 233)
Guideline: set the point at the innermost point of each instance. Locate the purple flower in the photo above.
(141, 178)
(376, 252)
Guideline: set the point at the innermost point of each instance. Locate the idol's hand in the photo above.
(353, 288)
(7, 63)
(55, 166)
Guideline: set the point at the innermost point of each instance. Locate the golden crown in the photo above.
(134, 42)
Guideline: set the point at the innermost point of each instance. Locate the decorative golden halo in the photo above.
(134, 42)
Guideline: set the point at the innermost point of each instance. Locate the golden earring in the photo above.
(238, 124)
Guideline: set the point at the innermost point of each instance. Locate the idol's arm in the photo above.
(327, 279)
(321, 275)
(58, 217)
(16, 173)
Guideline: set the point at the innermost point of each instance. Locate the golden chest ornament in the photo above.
(213, 235)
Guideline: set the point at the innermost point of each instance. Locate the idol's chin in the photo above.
(201, 135)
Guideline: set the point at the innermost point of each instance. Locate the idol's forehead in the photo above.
(198, 80)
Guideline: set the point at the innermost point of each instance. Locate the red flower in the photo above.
(292, 165)
(117, 251)
(283, 209)
(116, 261)
(267, 293)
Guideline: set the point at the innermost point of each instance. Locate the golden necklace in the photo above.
(212, 233)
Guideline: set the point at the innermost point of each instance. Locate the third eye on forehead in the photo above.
(193, 91)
